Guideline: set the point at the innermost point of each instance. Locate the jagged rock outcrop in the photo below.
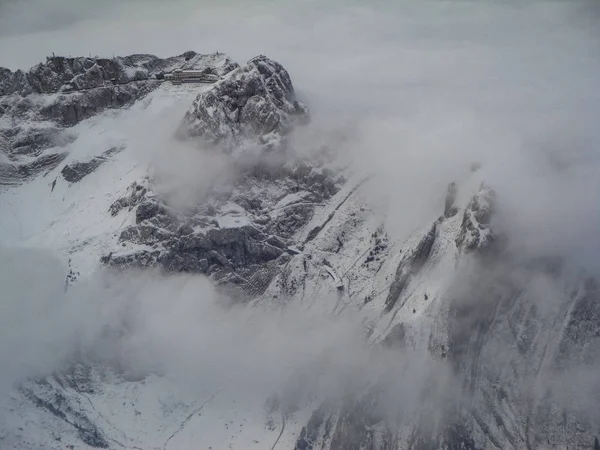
(475, 231)
(410, 265)
(70, 109)
(238, 238)
(62, 74)
(254, 103)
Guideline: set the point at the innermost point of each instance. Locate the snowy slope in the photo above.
(72, 219)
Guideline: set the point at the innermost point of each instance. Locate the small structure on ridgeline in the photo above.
(179, 76)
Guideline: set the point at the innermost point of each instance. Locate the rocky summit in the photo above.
(470, 359)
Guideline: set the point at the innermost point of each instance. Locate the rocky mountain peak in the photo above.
(475, 232)
(254, 104)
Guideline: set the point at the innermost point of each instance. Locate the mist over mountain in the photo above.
(368, 227)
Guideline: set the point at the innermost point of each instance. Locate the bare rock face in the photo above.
(240, 237)
(62, 74)
(255, 103)
(70, 109)
(59, 73)
(80, 169)
(410, 264)
(13, 82)
(475, 231)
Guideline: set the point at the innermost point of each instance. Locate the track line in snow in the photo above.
(188, 418)
(281, 432)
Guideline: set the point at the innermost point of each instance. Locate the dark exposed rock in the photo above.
(146, 210)
(78, 170)
(475, 231)
(14, 82)
(423, 249)
(59, 73)
(276, 242)
(145, 234)
(215, 257)
(246, 255)
(255, 102)
(186, 263)
(409, 265)
(143, 258)
(136, 193)
(70, 109)
(229, 247)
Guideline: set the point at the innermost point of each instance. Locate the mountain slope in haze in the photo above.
(445, 338)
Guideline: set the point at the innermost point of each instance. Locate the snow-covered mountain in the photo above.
(433, 340)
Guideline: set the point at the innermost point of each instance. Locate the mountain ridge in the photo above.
(453, 311)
